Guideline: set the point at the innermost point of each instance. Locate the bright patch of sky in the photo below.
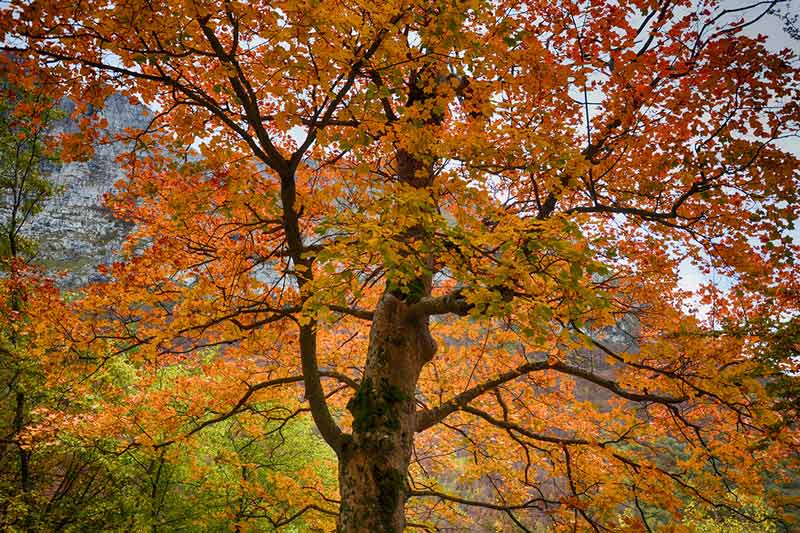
(772, 27)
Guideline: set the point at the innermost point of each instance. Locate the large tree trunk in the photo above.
(373, 464)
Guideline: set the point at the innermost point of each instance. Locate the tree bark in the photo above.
(24, 455)
(373, 462)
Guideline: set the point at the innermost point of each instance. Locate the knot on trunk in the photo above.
(427, 344)
(396, 332)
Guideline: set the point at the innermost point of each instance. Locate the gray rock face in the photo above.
(75, 231)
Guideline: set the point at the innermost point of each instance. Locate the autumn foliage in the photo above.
(451, 234)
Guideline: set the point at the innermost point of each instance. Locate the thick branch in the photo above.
(363, 314)
(247, 97)
(452, 303)
(614, 387)
(315, 395)
(426, 419)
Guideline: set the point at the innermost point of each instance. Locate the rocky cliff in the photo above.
(75, 230)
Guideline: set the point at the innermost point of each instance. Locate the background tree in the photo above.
(331, 186)
(59, 469)
(26, 121)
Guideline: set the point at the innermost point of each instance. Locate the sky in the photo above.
(777, 39)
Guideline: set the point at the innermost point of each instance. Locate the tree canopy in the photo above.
(453, 232)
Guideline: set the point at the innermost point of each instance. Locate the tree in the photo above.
(432, 214)
(57, 472)
(26, 122)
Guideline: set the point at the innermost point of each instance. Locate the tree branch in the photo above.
(521, 430)
(614, 387)
(535, 503)
(452, 303)
(251, 390)
(428, 418)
